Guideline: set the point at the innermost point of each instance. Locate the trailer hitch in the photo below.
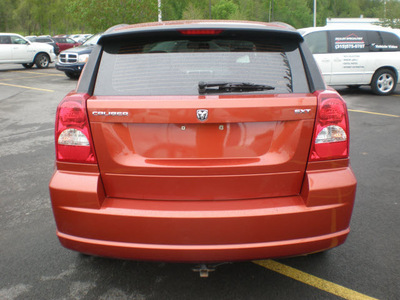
(204, 269)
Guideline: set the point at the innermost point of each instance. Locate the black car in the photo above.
(47, 40)
(72, 61)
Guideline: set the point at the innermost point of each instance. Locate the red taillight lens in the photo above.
(200, 31)
(72, 133)
(331, 111)
(331, 130)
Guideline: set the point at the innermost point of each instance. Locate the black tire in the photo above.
(383, 82)
(28, 66)
(72, 75)
(42, 60)
(354, 86)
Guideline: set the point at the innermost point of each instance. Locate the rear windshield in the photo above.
(176, 66)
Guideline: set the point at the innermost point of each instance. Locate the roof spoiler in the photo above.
(111, 29)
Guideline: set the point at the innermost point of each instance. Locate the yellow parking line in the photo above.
(33, 72)
(26, 87)
(373, 113)
(48, 74)
(313, 281)
(25, 77)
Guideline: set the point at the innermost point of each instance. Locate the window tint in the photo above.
(18, 40)
(317, 42)
(42, 40)
(374, 39)
(391, 42)
(60, 40)
(5, 39)
(348, 41)
(176, 66)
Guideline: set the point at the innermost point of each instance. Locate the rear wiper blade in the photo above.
(223, 87)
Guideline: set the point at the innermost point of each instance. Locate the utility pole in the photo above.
(384, 9)
(269, 12)
(272, 10)
(159, 11)
(315, 13)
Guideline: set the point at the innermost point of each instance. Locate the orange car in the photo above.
(202, 142)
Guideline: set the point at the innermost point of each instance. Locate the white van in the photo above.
(356, 56)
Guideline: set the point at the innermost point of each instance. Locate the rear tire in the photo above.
(384, 82)
(42, 61)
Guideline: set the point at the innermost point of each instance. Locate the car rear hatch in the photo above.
(174, 117)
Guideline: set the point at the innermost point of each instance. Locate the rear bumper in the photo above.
(203, 231)
(202, 253)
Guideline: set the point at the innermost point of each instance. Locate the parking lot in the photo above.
(34, 265)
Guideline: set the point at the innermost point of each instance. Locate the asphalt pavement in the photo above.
(33, 265)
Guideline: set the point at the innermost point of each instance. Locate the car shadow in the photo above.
(20, 68)
(105, 278)
(362, 90)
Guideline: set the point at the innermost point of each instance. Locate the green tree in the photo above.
(74, 16)
(254, 10)
(224, 9)
(100, 15)
(186, 9)
(293, 12)
(192, 12)
(24, 18)
(391, 14)
(7, 8)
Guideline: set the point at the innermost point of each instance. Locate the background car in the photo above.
(355, 56)
(65, 43)
(16, 49)
(47, 40)
(72, 61)
(30, 37)
(80, 38)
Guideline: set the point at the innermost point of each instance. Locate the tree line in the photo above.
(38, 17)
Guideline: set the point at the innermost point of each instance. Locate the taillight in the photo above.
(331, 130)
(200, 31)
(72, 133)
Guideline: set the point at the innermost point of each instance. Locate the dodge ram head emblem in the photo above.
(202, 114)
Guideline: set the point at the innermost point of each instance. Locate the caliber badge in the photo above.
(111, 113)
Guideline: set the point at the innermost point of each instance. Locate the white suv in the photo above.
(356, 56)
(16, 49)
